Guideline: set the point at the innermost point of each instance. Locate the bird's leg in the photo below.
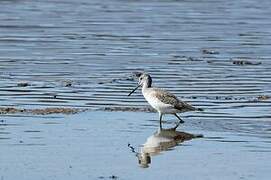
(160, 117)
(180, 121)
(177, 124)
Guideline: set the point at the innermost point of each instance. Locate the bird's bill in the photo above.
(133, 90)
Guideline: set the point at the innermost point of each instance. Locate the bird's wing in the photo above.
(184, 106)
(171, 99)
(166, 97)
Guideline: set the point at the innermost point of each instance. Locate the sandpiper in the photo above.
(163, 101)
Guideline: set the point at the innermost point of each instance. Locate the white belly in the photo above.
(160, 106)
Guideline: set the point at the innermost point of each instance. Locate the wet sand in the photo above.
(67, 66)
(94, 145)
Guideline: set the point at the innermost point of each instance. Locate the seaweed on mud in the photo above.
(193, 59)
(10, 110)
(209, 51)
(109, 177)
(239, 62)
(177, 59)
(263, 97)
(67, 83)
(131, 109)
(45, 111)
(245, 62)
(23, 84)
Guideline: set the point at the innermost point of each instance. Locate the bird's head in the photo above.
(144, 80)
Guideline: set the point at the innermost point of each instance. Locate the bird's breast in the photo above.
(157, 104)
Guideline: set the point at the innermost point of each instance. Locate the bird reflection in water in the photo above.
(161, 140)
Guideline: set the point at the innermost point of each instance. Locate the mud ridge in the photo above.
(45, 111)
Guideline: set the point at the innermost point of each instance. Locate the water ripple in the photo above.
(87, 57)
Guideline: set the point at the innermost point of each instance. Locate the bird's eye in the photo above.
(140, 78)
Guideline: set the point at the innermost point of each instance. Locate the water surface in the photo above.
(94, 145)
(82, 54)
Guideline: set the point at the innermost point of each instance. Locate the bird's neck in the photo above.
(146, 86)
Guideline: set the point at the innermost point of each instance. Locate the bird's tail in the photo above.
(198, 136)
(199, 109)
(183, 106)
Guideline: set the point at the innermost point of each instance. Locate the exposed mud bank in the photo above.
(45, 111)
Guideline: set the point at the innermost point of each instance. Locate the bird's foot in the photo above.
(181, 122)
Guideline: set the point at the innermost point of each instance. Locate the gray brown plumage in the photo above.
(163, 101)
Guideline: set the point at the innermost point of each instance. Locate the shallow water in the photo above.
(94, 145)
(82, 54)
